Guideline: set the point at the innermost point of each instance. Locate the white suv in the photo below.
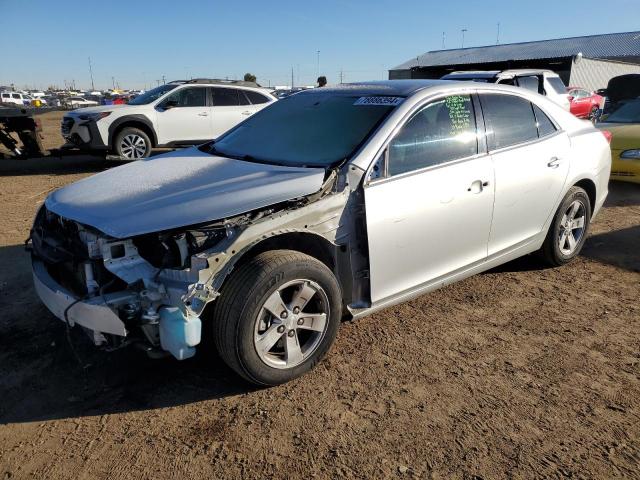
(176, 114)
(544, 82)
(14, 97)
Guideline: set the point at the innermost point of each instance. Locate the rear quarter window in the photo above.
(557, 84)
(256, 98)
(545, 125)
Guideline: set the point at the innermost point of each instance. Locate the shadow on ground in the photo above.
(623, 194)
(620, 248)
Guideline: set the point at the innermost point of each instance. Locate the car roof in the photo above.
(474, 74)
(528, 71)
(402, 88)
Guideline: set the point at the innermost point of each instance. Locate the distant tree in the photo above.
(250, 77)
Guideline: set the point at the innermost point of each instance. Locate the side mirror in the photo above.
(169, 104)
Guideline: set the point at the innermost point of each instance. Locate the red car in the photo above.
(584, 104)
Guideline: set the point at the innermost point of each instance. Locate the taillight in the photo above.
(607, 135)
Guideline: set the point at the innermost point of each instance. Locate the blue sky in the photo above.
(49, 42)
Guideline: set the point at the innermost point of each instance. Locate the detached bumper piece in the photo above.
(178, 333)
(93, 314)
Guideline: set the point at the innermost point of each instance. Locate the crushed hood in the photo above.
(178, 189)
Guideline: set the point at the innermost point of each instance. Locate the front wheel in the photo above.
(132, 144)
(277, 316)
(568, 231)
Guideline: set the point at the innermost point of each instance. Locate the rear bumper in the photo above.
(94, 314)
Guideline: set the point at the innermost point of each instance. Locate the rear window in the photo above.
(226, 97)
(557, 84)
(509, 120)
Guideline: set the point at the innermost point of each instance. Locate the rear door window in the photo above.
(225, 97)
(509, 120)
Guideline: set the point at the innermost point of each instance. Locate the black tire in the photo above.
(551, 251)
(130, 153)
(236, 313)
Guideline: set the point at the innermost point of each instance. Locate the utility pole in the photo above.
(163, 80)
(91, 74)
(464, 30)
(444, 37)
(291, 77)
(341, 76)
(158, 82)
(318, 64)
(113, 83)
(498, 35)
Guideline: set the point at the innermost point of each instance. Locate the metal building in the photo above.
(588, 61)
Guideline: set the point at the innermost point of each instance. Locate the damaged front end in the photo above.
(152, 289)
(121, 291)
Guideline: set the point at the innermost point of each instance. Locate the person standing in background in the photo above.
(322, 81)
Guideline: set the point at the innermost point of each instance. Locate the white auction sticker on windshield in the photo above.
(386, 101)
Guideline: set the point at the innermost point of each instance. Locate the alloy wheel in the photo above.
(572, 227)
(291, 324)
(133, 146)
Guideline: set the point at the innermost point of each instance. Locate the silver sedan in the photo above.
(329, 204)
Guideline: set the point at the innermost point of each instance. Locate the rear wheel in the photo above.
(132, 144)
(277, 316)
(568, 231)
(594, 113)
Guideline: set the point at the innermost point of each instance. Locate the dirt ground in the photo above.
(522, 372)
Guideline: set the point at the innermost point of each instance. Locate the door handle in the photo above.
(247, 113)
(477, 186)
(203, 114)
(554, 162)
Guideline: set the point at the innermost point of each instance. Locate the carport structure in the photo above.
(588, 61)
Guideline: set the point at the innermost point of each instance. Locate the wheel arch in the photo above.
(309, 243)
(334, 257)
(588, 186)
(134, 121)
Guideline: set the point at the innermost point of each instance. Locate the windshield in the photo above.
(151, 95)
(628, 113)
(308, 129)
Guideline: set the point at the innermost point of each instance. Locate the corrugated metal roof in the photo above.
(612, 46)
